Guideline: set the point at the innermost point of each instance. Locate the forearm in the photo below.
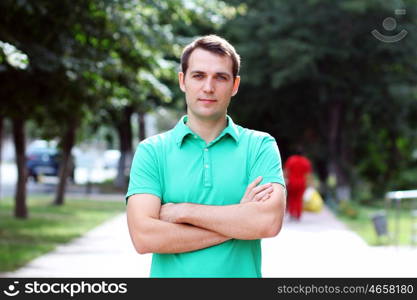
(259, 214)
(156, 236)
(252, 220)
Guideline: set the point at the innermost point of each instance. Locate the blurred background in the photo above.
(82, 82)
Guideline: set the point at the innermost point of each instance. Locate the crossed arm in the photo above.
(183, 227)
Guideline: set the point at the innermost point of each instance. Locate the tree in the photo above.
(54, 59)
(326, 82)
(83, 56)
(153, 43)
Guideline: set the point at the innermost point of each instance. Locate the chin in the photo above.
(207, 115)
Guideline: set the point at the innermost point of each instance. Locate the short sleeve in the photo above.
(267, 163)
(144, 176)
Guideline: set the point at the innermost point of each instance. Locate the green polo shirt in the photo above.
(179, 166)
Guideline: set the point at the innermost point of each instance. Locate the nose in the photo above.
(208, 86)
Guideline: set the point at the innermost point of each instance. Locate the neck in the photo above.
(207, 129)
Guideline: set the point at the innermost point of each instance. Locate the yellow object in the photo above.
(312, 201)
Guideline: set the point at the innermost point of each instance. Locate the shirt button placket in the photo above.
(207, 169)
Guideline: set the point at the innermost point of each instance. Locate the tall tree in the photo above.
(1, 149)
(144, 74)
(54, 60)
(314, 74)
(83, 56)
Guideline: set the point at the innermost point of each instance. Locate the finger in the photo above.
(261, 194)
(252, 185)
(255, 182)
(266, 197)
(260, 188)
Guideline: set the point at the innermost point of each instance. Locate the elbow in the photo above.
(272, 227)
(141, 245)
(141, 236)
(141, 249)
(274, 218)
(273, 230)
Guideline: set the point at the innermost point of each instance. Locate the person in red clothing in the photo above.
(297, 169)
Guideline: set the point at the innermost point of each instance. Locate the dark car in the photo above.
(45, 161)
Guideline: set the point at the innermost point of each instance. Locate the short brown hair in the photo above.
(214, 44)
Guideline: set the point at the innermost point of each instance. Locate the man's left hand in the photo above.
(171, 212)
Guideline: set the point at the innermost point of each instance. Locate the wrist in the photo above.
(183, 213)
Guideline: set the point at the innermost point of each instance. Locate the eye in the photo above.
(221, 77)
(198, 76)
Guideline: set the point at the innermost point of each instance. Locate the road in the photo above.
(83, 174)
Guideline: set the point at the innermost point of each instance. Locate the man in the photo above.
(195, 197)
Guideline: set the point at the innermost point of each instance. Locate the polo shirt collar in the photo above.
(181, 130)
(231, 129)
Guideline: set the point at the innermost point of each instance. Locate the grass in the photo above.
(47, 226)
(359, 219)
(106, 187)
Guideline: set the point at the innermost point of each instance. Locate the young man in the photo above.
(202, 195)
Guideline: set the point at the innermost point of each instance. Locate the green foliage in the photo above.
(49, 226)
(363, 225)
(314, 75)
(348, 209)
(86, 55)
(92, 63)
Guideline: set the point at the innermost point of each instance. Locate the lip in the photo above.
(207, 100)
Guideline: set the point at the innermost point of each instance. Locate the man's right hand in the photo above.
(257, 193)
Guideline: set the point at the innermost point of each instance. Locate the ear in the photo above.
(236, 85)
(181, 81)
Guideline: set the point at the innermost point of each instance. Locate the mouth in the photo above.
(204, 100)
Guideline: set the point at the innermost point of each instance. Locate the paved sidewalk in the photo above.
(105, 251)
(321, 246)
(318, 246)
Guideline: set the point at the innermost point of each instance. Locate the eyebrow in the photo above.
(217, 73)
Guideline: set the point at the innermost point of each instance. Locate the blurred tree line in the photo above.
(312, 75)
(94, 62)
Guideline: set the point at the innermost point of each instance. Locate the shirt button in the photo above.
(195, 136)
(206, 166)
(205, 149)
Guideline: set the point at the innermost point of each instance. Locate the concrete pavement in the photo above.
(317, 246)
(105, 251)
(321, 246)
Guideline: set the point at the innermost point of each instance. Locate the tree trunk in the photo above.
(334, 120)
(142, 126)
(124, 130)
(19, 142)
(1, 147)
(394, 160)
(66, 163)
(335, 164)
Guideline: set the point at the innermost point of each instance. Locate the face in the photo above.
(208, 84)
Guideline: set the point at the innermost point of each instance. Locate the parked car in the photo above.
(45, 161)
(111, 159)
